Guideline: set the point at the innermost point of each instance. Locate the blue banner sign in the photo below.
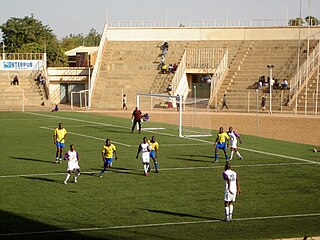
(21, 64)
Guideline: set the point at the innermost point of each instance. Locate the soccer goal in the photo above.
(185, 120)
(80, 99)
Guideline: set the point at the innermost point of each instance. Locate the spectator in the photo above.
(224, 102)
(56, 109)
(164, 52)
(169, 89)
(276, 83)
(42, 80)
(174, 67)
(284, 84)
(170, 68)
(263, 103)
(164, 68)
(162, 62)
(165, 45)
(15, 81)
(39, 78)
(259, 85)
(124, 102)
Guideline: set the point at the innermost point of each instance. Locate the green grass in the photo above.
(183, 201)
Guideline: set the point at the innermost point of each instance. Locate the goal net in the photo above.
(175, 115)
(80, 99)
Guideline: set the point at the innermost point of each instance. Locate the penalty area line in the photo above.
(159, 224)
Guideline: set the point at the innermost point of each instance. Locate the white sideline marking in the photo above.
(162, 169)
(87, 136)
(158, 224)
(194, 139)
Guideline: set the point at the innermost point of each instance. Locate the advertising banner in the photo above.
(20, 65)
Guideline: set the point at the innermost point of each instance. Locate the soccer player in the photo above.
(136, 118)
(220, 143)
(144, 148)
(109, 152)
(59, 137)
(154, 146)
(231, 190)
(73, 158)
(316, 150)
(234, 140)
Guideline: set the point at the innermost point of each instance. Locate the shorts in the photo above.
(228, 197)
(59, 144)
(153, 154)
(146, 159)
(108, 161)
(234, 144)
(221, 145)
(73, 165)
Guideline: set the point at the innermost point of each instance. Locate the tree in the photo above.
(312, 21)
(296, 22)
(30, 35)
(93, 38)
(72, 41)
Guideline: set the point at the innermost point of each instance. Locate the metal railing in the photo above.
(300, 79)
(22, 56)
(205, 58)
(218, 77)
(196, 24)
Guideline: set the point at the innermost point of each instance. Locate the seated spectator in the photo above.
(162, 62)
(56, 109)
(39, 78)
(174, 67)
(259, 85)
(165, 45)
(164, 68)
(15, 81)
(170, 68)
(169, 89)
(276, 83)
(284, 84)
(42, 80)
(164, 52)
(263, 80)
(145, 117)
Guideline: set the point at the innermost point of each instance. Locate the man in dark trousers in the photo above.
(136, 118)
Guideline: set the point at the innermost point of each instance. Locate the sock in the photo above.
(156, 166)
(103, 170)
(231, 155)
(77, 175)
(230, 210)
(216, 156)
(226, 157)
(227, 211)
(67, 178)
(239, 155)
(145, 168)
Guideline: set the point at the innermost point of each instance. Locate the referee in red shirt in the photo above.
(136, 118)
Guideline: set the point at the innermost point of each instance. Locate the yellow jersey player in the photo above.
(154, 146)
(59, 137)
(109, 152)
(221, 143)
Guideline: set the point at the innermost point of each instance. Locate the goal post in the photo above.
(184, 120)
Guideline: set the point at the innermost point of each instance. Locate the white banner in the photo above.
(20, 64)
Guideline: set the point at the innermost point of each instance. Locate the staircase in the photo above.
(249, 64)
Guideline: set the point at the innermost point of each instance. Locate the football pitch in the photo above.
(279, 182)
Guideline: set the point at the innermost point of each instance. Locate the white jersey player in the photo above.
(73, 164)
(144, 148)
(232, 188)
(233, 142)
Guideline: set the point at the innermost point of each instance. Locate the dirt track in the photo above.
(293, 128)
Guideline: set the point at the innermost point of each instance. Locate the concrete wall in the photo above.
(203, 34)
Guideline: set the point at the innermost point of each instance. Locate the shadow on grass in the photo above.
(118, 170)
(31, 159)
(45, 179)
(17, 227)
(181, 214)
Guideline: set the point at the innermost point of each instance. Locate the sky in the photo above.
(79, 16)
